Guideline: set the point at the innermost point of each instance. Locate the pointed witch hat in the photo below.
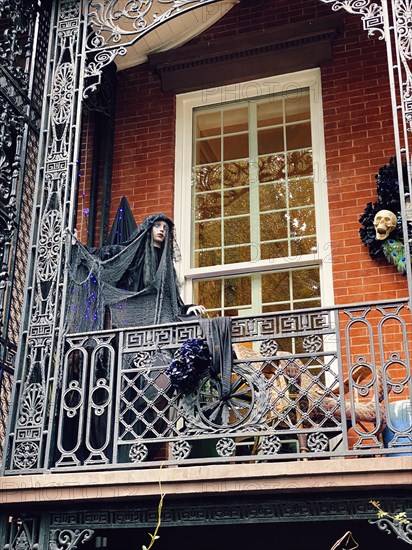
(123, 224)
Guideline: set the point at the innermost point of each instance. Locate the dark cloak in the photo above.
(135, 281)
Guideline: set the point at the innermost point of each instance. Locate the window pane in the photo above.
(206, 258)
(306, 284)
(275, 287)
(236, 147)
(272, 309)
(235, 120)
(271, 168)
(208, 234)
(208, 206)
(208, 293)
(236, 174)
(208, 178)
(237, 231)
(273, 226)
(208, 124)
(238, 291)
(272, 196)
(302, 222)
(301, 192)
(301, 246)
(236, 201)
(308, 304)
(237, 254)
(299, 163)
(270, 112)
(270, 141)
(208, 150)
(278, 249)
(297, 106)
(298, 136)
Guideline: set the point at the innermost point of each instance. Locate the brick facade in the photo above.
(358, 136)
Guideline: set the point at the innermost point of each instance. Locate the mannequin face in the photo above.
(159, 231)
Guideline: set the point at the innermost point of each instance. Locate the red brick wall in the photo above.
(358, 135)
(359, 140)
(85, 171)
(144, 146)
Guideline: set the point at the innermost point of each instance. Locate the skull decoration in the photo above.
(385, 223)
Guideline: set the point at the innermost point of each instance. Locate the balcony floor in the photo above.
(282, 477)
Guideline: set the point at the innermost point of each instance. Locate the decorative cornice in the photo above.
(229, 509)
(271, 52)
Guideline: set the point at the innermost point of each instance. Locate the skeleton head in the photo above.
(384, 222)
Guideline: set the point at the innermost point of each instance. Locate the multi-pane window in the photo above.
(255, 241)
(253, 194)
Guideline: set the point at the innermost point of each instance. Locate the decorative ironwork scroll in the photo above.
(398, 524)
(11, 125)
(370, 12)
(39, 352)
(115, 27)
(69, 539)
(16, 44)
(20, 64)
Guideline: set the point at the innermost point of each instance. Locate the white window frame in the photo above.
(185, 105)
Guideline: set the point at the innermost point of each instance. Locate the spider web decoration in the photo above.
(388, 199)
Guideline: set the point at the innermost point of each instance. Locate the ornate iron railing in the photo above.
(305, 384)
(6, 384)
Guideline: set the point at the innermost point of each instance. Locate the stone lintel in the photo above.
(274, 478)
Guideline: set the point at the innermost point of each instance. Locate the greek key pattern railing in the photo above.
(305, 383)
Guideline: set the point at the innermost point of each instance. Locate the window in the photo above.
(250, 178)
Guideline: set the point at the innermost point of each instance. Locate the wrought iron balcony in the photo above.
(307, 384)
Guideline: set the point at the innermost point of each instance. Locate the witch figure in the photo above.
(135, 281)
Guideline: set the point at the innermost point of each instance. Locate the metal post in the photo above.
(399, 133)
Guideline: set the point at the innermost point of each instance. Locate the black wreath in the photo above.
(186, 369)
(388, 199)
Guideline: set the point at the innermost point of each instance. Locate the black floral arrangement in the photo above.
(391, 248)
(188, 365)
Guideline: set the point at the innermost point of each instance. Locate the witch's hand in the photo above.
(196, 310)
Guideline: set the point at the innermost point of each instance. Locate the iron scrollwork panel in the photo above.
(40, 352)
(379, 374)
(20, 51)
(86, 404)
(22, 534)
